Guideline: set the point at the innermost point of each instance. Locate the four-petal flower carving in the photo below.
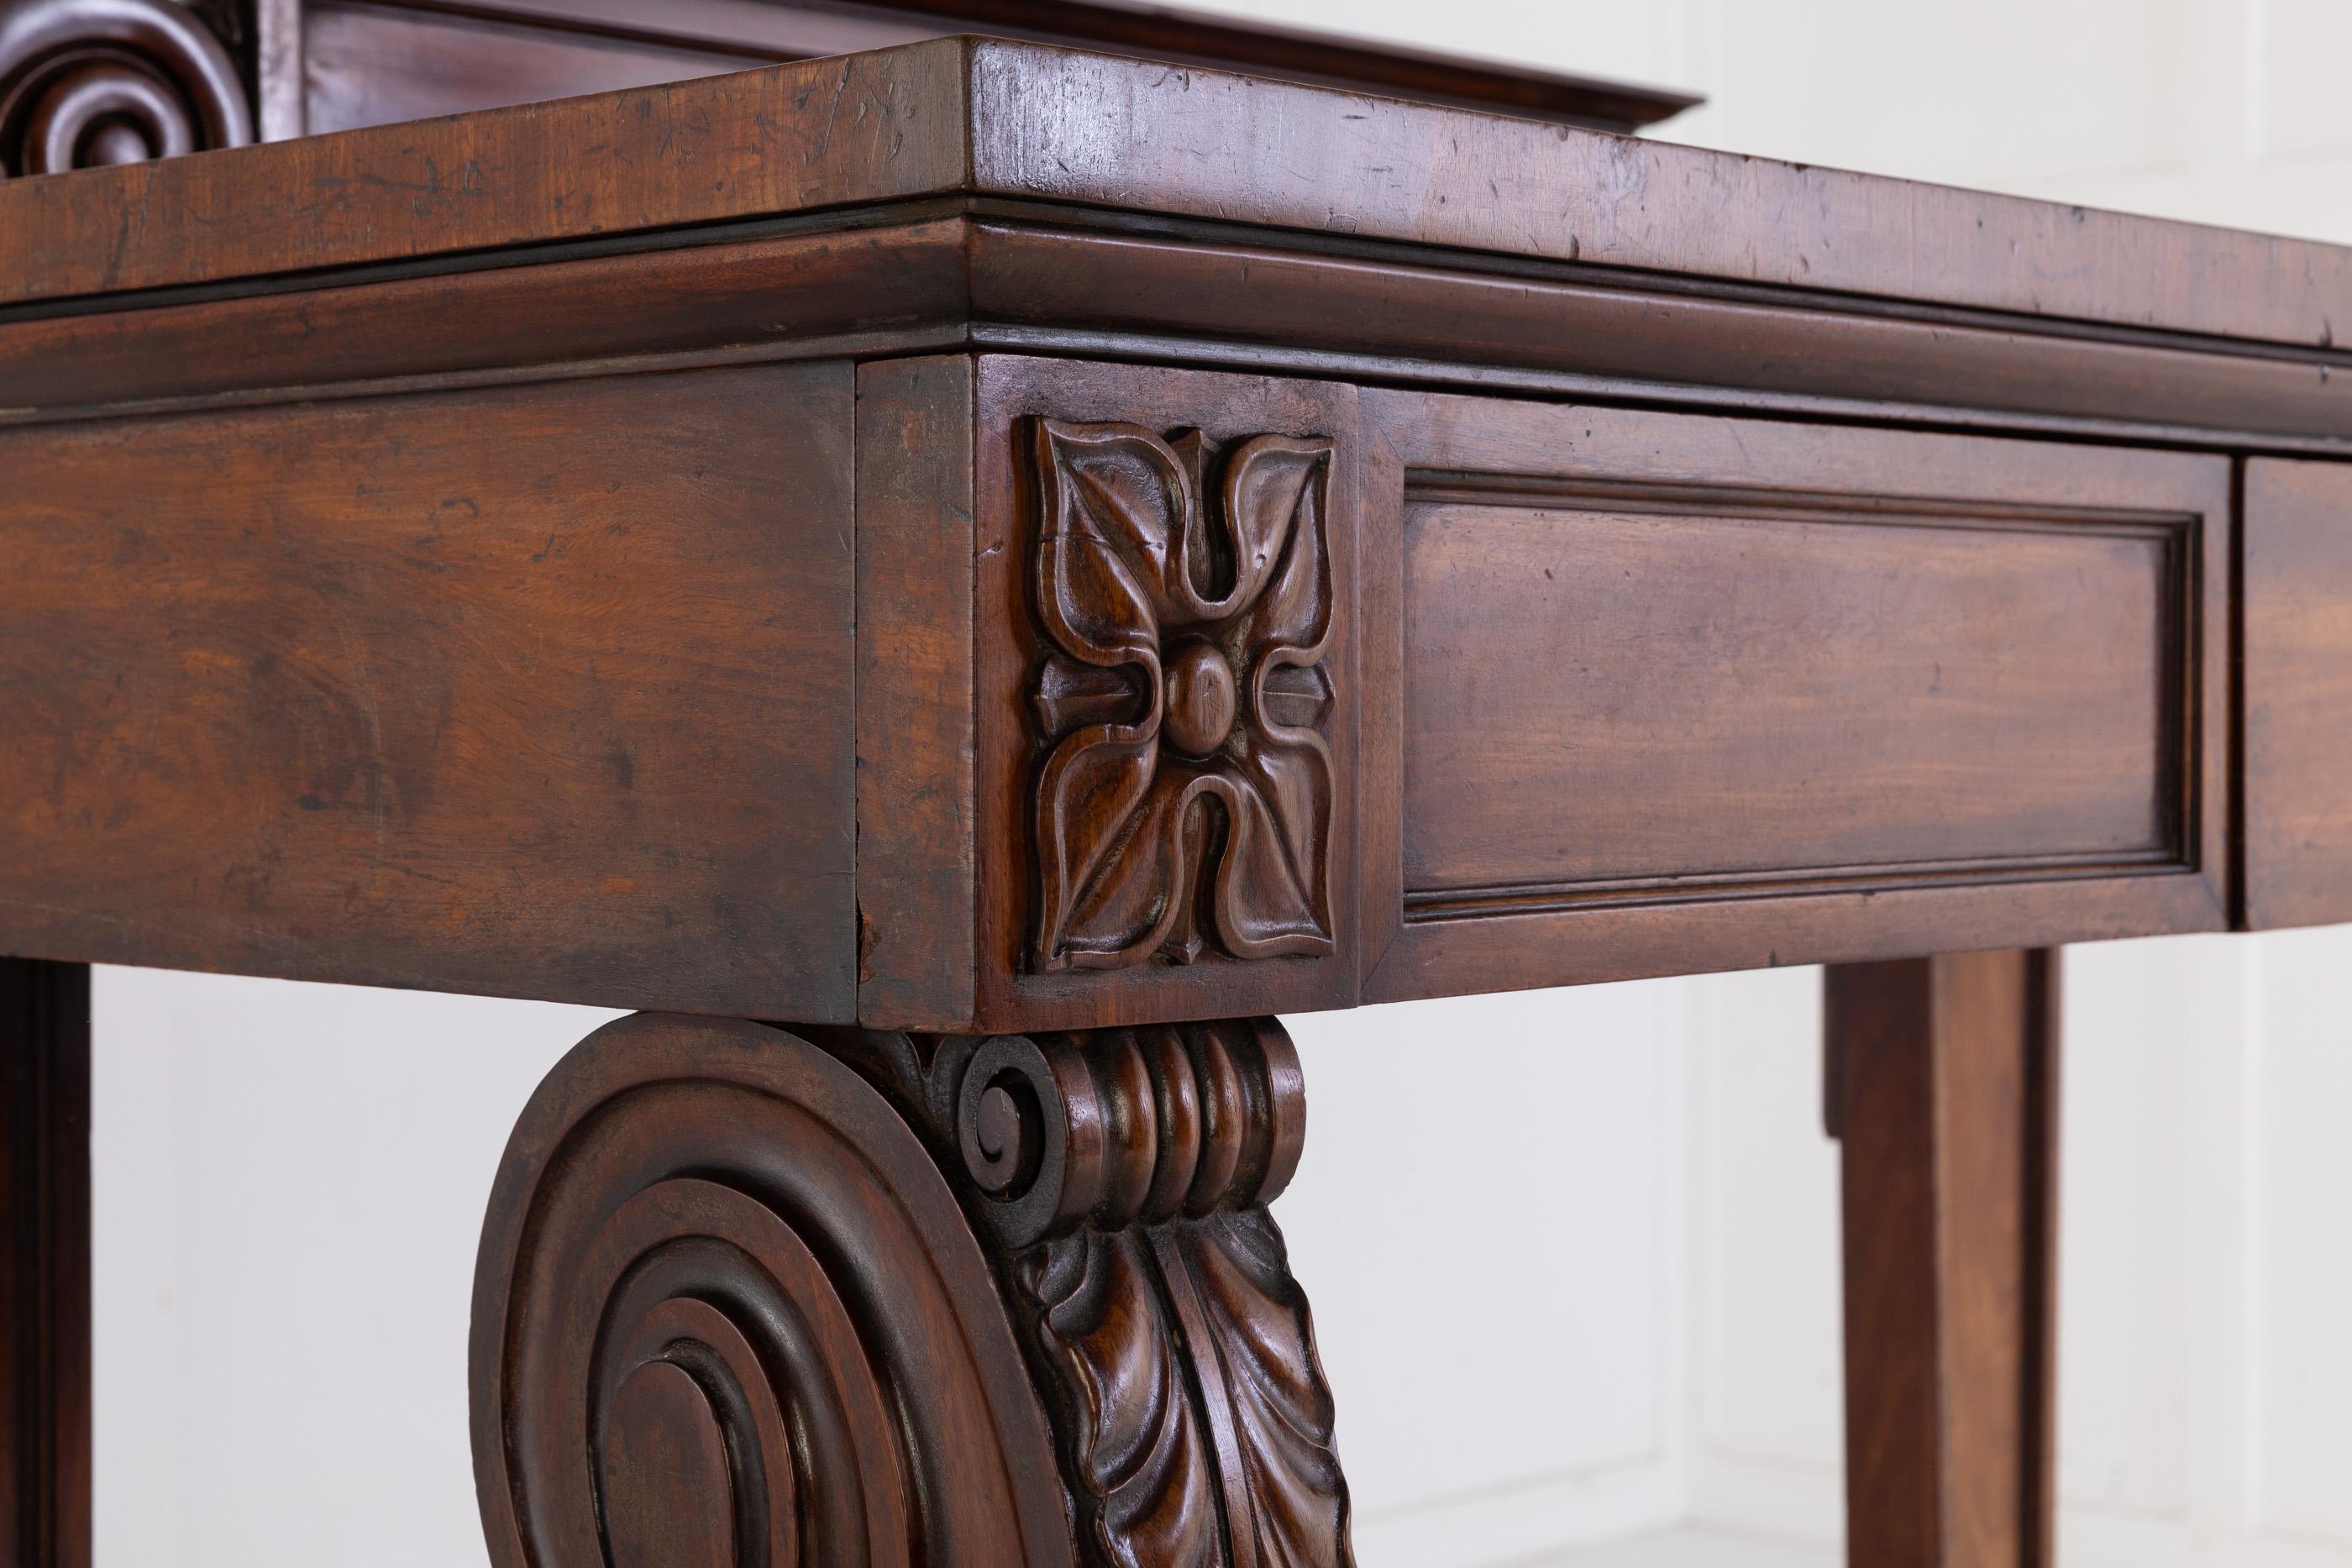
(1187, 790)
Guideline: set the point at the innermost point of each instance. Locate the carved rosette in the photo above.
(85, 83)
(1123, 1174)
(1185, 794)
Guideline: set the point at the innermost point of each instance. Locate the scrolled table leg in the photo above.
(727, 1313)
(838, 1297)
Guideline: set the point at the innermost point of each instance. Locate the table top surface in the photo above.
(986, 119)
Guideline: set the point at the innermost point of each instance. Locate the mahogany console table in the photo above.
(1011, 567)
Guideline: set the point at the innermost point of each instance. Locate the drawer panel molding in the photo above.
(1669, 692)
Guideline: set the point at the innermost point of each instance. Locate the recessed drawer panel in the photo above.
(1681, 693)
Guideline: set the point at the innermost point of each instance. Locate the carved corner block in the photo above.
(85, 83)
(1185, 795)
(1166, 694)
(1107, 697)
(1121, 1178)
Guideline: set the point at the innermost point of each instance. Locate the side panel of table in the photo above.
(539, 689)
(2298, 693)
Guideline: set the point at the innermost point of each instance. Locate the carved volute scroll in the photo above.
(1184, 794)
(85, 83)
(746, 1298)
(1121, 1177)
(728, 1314)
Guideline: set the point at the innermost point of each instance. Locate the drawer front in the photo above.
(2298, 693)
(1675, 692)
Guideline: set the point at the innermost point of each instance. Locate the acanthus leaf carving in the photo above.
(1282, 1416)
(1186, 794)
(1123, 1175)
(1137, 1450)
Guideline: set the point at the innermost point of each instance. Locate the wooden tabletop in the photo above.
(984, 118)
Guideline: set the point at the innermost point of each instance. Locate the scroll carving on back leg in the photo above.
(85, 83)
(726, 1313)
(1120, 1176)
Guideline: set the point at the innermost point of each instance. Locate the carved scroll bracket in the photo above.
(726, 1313)
(85, 83)
(1123, 1174)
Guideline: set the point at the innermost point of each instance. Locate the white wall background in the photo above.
(1591, 1316)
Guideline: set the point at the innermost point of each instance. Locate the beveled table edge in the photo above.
(990, 118)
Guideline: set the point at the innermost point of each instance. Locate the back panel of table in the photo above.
(537, 690)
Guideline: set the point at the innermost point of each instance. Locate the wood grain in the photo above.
(1750, 685)
(1065, 125)
(918, 883)
(1677, 692)
(1943, 1088)
(1007, 119)
(45, 1282)
(953, 740)
(2296, 623)
(542, 691)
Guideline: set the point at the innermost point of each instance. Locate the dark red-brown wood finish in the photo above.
(1021, 564)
